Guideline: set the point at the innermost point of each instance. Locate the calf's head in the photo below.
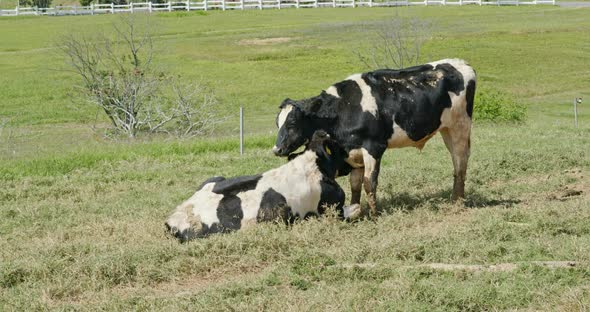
(330, 154)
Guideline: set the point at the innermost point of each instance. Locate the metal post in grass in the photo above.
(241, 130)
(577, 101)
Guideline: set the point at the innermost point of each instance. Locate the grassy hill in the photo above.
(81, 216)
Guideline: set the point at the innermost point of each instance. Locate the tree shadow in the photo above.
(405, 201)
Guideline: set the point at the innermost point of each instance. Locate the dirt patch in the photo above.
(573, 190)
(569, 192)
(264, 41)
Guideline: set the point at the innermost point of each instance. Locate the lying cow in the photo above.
(371, 112)
(297, 189)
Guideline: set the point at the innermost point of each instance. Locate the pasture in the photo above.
(81, 216)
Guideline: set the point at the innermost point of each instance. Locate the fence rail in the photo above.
(205, 5)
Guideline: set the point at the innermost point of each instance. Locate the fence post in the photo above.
(260, 4)
(91, 8)
(333, 3)
(169, 6)
(353, 4)
(315, 3)
(188, 5)
(242, 4)
(75, 9)
(297, 4)
(576, 100)
(16, 11)
(279, 2)
(112, 8)
(241, 130)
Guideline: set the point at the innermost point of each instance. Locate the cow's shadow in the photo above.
(393, 201)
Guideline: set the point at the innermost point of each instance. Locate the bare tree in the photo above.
(117, 76)
(192, 111)
(396, 43)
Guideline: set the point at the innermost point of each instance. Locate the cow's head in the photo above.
(330, 154)
(181, 223)
(298, 120)
(291, 122)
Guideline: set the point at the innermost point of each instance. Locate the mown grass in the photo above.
(81, 216)
(501, 43)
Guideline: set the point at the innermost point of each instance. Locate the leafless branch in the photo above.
(396, 43)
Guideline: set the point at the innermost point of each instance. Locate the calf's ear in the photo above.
(335, 151)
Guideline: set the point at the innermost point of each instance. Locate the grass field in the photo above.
(81, 216)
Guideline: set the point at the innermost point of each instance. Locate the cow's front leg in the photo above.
(370, 178)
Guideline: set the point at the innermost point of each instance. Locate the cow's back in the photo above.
(399, 108)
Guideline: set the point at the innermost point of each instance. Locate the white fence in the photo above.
(244, 5)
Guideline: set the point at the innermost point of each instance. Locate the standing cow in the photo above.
(371, 112)
(299, 188)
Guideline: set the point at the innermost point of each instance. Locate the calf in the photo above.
(297, 189)
(371, 112)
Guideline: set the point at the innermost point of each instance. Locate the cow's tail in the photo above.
(470, 96)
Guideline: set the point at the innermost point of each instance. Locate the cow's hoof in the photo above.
(352, 212)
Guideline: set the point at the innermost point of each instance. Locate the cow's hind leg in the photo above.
(458, 142)
(356, 185)
(370, 179)
(353, 211)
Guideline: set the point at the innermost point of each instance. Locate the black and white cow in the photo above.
(371, 112)
(297, 189)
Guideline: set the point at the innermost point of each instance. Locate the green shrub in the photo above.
(495, 105)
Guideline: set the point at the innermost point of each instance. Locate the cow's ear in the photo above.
(286, 102)
(321, 106)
